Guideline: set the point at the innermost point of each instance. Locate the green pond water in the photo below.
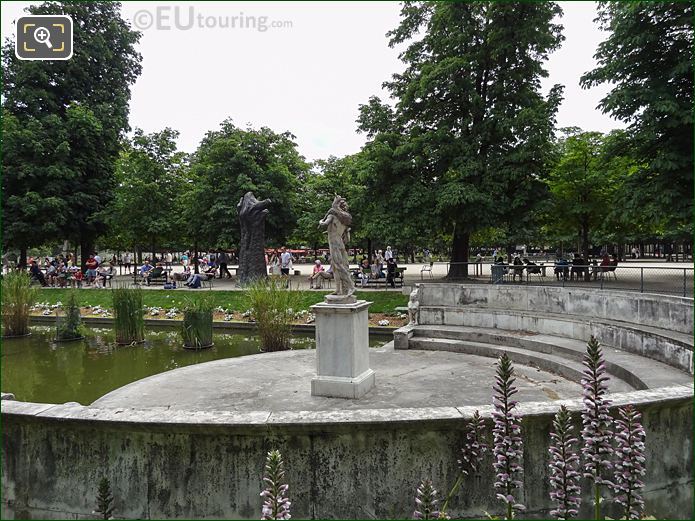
(37, 369)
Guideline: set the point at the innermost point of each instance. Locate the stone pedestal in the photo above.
(342, 350)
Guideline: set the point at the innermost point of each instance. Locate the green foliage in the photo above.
(196, 329)
(104, 499)
(70, 326)
(230, 162)
(67, 121)
(382, 301)
(274, 307)
(17, 297)
(128, 319)
(647, 59)
(150, 175)
(476, 128)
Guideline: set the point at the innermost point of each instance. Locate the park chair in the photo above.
(426, 268)
(398, 276)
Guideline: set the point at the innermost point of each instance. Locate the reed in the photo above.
(128, 319)
(196, 329)
(18, 296)
(274, 308)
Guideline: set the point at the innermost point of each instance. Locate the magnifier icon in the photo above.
(43, 35)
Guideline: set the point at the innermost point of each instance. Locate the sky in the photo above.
(302, 67)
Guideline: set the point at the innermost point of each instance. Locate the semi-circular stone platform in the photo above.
(282, 382)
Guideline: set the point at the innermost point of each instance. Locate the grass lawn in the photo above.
(382, 301)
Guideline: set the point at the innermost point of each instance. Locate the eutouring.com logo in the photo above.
(179, 18)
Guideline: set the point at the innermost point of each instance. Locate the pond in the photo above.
(37, 369)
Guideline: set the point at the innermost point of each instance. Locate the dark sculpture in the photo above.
(252, 214)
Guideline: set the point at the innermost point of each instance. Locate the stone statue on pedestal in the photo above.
(337, 224)
(252, 214)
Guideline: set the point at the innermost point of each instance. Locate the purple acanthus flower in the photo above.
(276, 504)
(475, 447)
(426, 502)
(629, 464)
(506, 434)
(596, 420)
(564, 467)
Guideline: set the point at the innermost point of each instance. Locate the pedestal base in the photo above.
(342, 350)
(340, 387)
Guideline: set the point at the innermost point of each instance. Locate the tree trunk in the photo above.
(138, 254)
(252, 213)
(459, 254)
(195, 257)
(22, 257)
(86, 247)
(369, 250)
(585, 246)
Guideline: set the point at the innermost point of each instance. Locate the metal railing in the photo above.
(644, 279)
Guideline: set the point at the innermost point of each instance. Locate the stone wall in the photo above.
(343, 464)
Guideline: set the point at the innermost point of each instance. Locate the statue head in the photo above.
(340, 203)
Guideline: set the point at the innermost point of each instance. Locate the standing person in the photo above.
(634, 252)
(184, 259)
(378, 263)
(92, 264)
(169, 258)
(285, 262)
(222, 261)
(391, 272)
(388, 254)
(127, 260)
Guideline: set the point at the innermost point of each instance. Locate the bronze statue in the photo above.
(252, 214)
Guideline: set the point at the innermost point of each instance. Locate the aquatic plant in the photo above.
(196, 328)
(129, 322)
(18, 296)
(69, 326)
(273, 309)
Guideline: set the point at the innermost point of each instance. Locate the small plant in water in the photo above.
(17, 298)
(276, 504)
(506, 433)
(596, 420)
(70, 326)
(273, 308)
(629, 464)
(104, 500)
(564, 467)
(128, 319)
(196, 328)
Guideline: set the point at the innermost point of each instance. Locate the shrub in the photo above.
(196, 329)
(273, 308)
(17, 298)
(128, 322)
(69, 327)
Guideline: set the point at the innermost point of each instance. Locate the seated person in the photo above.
(156, 272)
(62, 274)
(578, 265)
(562, 268)
(518, 268)
(37, 274)
(614, 260)
(531, 267)
(104, 273)
(391, 271)
(364, 272)
(145, 268)
(315, 274)
(76, 277)
(323, 275)
(51, 273)
(178, 277)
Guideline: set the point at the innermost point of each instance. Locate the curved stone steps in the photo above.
(630, 367)
(568, 369)
(665, 346)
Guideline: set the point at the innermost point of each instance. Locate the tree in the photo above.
(230, 162)
(648, 58)
(149, 175)
(476, 127)
(88, 96)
